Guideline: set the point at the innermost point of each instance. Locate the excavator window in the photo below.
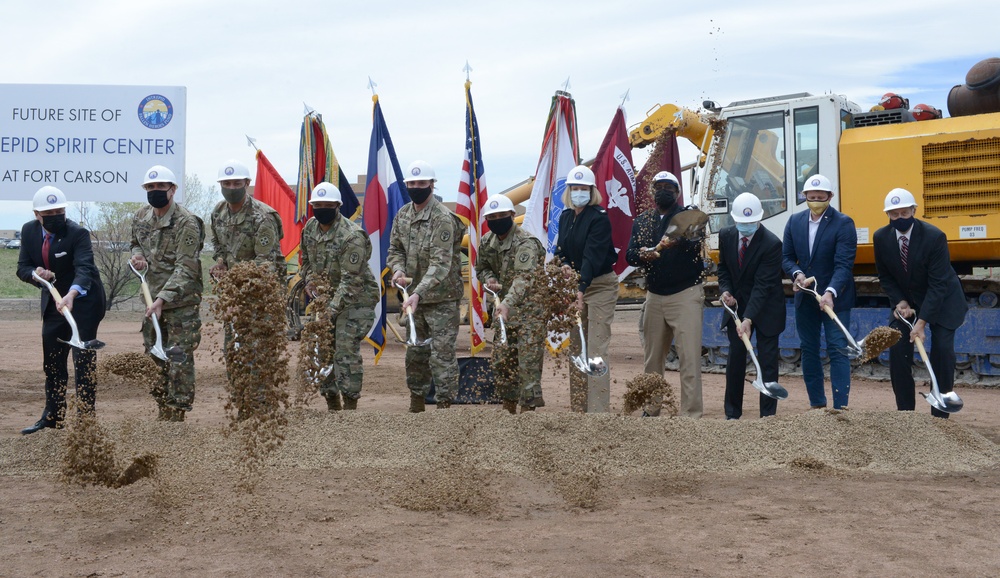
(806, 127)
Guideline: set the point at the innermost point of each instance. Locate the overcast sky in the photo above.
(248, 66)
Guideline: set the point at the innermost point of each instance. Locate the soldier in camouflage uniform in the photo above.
(426, 244)
(335, 251)
(166, 241)
(508, 258)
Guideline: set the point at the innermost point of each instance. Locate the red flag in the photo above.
(271, 189)
(665, 157)
(615, 177)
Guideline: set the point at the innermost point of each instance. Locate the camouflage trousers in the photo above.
(349, 330)
(181, 327)
(439, 321)
(517, 366)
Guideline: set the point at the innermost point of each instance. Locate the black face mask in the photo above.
(234, 196)
(326, 215)
(902, 225)
(500, 226)
(55, 224)
(158, 199)
(419, 195)
(664, 199)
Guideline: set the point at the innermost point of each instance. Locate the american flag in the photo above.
(472, 196)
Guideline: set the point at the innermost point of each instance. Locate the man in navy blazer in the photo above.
(822, 243)
(750, 279)
(69, 266)
(914, 269)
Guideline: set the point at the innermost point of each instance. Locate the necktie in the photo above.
(743, 249)
(46, 247)
(904, 251)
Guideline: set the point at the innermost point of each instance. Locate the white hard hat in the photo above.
(48, 198)
(160, 174)
(666, 176)
(325, 192)
(746, 209)
(817, 183)
(580, 175)
(498, 204)
(233, 170)
(419, 171)
(899, 199)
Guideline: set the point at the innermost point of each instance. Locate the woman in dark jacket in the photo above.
(585, 246)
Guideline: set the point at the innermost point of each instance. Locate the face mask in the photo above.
(158, 199)
(902, 225)
(746, 229)
(500, 226)
(664, 199)
(419, 195)
(817, 208)
(55, 224)
(234, 196)
(326, 215)
(580, 198)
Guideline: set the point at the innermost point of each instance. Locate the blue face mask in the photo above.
(580, 198)
(747, 229)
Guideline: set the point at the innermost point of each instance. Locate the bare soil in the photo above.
(474, 491)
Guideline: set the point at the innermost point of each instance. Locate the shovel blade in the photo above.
(771, 389)
(158, 353)
(175, 354)
(597, 367)
(85, 345)
(948, 402)
(93, 344)
(850, 352)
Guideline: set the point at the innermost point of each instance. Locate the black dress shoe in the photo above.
(41, 424)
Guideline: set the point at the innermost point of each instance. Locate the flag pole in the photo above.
(252, 142)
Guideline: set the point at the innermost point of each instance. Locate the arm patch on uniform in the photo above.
(355, 258)
(189, 241)
(445, 235)
(265, 241)
(524, 257)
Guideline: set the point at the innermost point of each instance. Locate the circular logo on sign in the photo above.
(152, 174)
(415, 172)
(494, 204)
(321, 193)
(578, 175)
(229, 171)
(51, 199)
(814, 182)
(894, 200)
(155, 111)
(747, 212)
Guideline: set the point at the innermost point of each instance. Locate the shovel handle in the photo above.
(746, 341)
(145, 293)
(48, 285)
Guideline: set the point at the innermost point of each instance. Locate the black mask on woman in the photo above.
(158, 198)
(902, 225)
(55, 224)
(326, 215)
(419, 195)
(500, 226)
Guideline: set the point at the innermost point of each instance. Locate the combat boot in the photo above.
(350, 403)
(164, 413)
(332, 401)
(444, 404)
(510, 406)
(525, 408)
(416, 403)
(176, 414)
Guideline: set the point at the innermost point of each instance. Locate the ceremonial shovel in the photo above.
(946, 402)
(74, 340)
(770, 389)
(412, 341)
(854, 348)
(591, 366)
(172, 354)
(503, 328)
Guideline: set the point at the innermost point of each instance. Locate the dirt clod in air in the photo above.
(130, 368)
(880, 339)
(90, 459)
(642, 388)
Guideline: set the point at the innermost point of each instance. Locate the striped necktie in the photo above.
(743, 249)
(904, 251)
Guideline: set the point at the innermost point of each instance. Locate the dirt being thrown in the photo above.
(643, 388)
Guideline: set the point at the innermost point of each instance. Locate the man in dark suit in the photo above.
(750, 279)
(60, 252)
(915, 271)
(822, 243)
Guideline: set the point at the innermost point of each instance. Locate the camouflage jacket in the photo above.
(171, 245)
(341, 254)
(513, 262)
(427, 245)
(253, 233)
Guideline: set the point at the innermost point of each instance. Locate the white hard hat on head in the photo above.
(160, 174)
(580, 175)
(746, 209)
(817, 183)
(899, 199)
(48, 198)
(419, 171)
(325, 192)
(233, 170)
(666, 176)
(498, 204)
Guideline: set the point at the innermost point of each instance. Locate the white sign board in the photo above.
(93, 142)
(972, 232)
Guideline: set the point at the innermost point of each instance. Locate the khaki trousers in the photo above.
(675, 318)
(587, 393)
